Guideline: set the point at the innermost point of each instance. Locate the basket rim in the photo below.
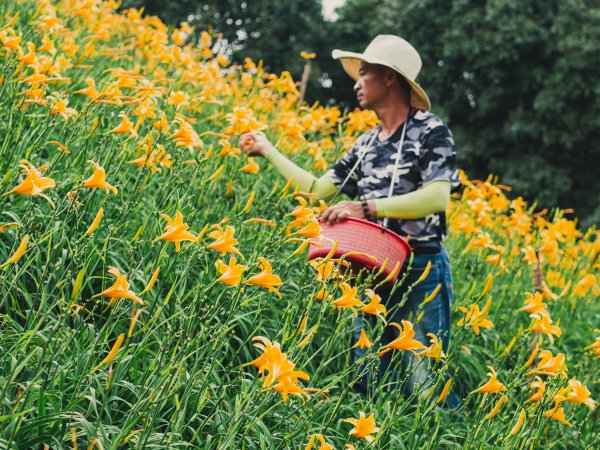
(375, 226)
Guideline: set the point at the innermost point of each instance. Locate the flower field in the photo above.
(154, 285)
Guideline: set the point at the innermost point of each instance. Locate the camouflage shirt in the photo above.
(427, 155)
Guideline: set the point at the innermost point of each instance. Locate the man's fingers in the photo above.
(326, 214)
(246, 143)
(342, 215)
(242, 141)
(336, 213)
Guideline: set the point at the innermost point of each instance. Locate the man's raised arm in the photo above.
(257, 144)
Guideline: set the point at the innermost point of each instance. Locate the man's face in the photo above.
(371, 85)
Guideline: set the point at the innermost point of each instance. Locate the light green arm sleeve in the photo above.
(323, 187)
(432, 198)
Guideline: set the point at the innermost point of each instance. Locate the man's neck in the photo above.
(391, 116)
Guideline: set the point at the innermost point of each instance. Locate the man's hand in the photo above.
(341, 210)
(255, 144)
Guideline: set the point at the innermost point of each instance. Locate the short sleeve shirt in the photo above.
(427, 155)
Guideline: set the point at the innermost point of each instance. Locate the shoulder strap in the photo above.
(393, 181)
(359, 159)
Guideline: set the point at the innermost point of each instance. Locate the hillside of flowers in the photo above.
(155, 290)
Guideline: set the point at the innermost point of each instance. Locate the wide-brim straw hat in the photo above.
(390, 51)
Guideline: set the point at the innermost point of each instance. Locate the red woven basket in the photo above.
(364, 244)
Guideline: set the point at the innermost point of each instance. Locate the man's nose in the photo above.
(357, 85)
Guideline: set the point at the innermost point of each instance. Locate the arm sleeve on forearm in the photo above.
(432, 198)
(322, 187)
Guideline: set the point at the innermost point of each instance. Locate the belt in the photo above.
(431, 248)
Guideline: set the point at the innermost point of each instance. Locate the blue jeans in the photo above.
(406, 304)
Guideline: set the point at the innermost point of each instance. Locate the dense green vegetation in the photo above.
(517, 80)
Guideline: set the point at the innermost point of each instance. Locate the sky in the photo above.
(329, 6)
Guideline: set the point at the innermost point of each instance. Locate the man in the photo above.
(416, 149)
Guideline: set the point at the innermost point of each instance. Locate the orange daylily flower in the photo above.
(120, 289)
(542, 323)
(363, 340)
(265, 278)
(34, 183)
(98, 179)
(540, 387)
(578, 393)
(301, 213)
(162, 124)
(550, 365)
(530, 255)
(29, 58)
(59, 107)
(584, 285)
(375, 306)
(534, 302)
(178, 98)
(4, 226)
(231, 274)
(404, 341)
(251, 167)
(227, 149)
(475, 318)
(435, 350)
(242, 121)
(61, 147)
(90, 91)
(176, 230)
(557, 413)
(493, 385)
(364, 427)
(223, 240)
(278, 368)
(348, 298)
(322, 442)
(483, 240)
(154, 158)
(186, 136)
(271, 351)
(595, 347)
(307, 55)
(326, 270)
(312, 230)
(12, 42)
(267, 222)
(126, 126)
(288, 383)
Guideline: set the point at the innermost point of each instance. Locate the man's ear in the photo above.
(390, 76)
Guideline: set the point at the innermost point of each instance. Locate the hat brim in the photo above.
(351, 64)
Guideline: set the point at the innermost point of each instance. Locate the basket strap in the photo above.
(393, 181)
(360, 158)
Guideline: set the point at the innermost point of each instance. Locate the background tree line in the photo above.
(518, 81)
